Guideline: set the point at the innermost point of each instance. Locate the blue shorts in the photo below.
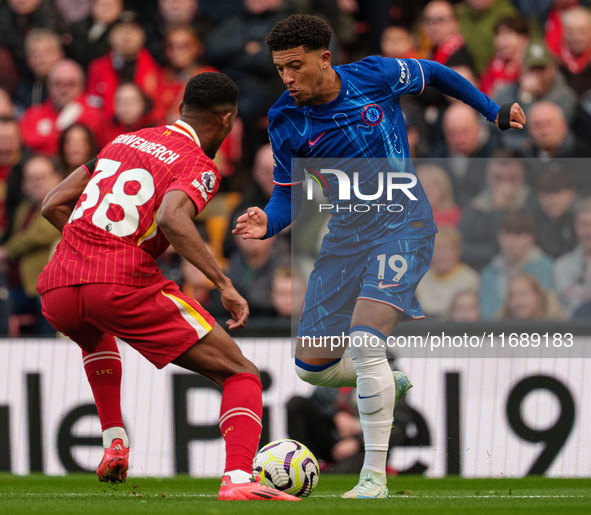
(388, 273)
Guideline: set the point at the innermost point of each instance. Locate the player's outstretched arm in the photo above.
(252, 224)
(175, 220)
(453, 84)
(61, 200)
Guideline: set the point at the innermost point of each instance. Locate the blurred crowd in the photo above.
(513, 209)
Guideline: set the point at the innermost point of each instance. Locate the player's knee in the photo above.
(248, 367)
(308, 376)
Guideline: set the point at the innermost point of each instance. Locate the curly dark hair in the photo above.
(311, 32)
(208, 90)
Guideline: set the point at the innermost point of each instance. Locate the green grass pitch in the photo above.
(82, 494)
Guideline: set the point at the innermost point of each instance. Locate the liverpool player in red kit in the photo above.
(117, 214)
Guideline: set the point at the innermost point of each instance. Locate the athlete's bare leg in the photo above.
(217, 357)
(381, 317)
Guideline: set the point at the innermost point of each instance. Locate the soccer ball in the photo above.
(288, 466)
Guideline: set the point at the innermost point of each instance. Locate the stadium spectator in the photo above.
(518, 254)
(73, 11)
(257, 193)
(506, 191)
(67, 104)
(89, 38)
(511, 40)
(398, 41)
(17, 18)
(11, 163)
(7, 107)
(477, 21)
(171, 14)
(575, 52)
(127, 61)
(246, 59)
(572, 271)
(439, 191)
(440, 25)
(551, 137)
(540, 79)
(415, 125)
(132, 110)
(287, 292)
(554, 29)
(184, 52)
(467, 142)
(447, 275)
(556, 194)
(31, 242)
(43, 49)
(77, 146)
(465, 307)
(527, 299)
(251, 268)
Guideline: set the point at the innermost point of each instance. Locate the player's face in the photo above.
(303, 72)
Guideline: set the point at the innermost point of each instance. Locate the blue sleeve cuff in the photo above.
(282, 208)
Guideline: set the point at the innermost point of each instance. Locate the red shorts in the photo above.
(158, 321)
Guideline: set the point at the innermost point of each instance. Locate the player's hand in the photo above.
(516, 117)
(252, 224)
(236, 305)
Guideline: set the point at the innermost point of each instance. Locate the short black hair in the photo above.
(306, 30)
(209, 90)
(519, 24)
(555, 177)
(518, 222)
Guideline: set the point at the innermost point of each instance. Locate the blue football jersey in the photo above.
(362, 134)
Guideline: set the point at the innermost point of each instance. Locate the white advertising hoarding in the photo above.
(478, 417)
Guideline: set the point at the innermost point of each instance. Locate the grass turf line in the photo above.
(83, 494)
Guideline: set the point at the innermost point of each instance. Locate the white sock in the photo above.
(336, 375)
(375, 462)
(238, 476)
(375, 395)
(114, 432)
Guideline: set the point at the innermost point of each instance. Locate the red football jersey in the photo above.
(112, 235)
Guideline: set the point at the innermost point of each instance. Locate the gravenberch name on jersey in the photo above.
(149, 147)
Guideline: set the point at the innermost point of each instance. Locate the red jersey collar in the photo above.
(185, 129)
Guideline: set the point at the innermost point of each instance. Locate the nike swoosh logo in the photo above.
(368, 396)
(315, 140)
(383, 286)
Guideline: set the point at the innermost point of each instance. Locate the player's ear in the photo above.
(325, 59)
(181, 107)
(226, 119)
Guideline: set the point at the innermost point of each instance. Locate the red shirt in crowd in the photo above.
(103, 80)
(42, 125)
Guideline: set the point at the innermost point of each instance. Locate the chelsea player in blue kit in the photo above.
(373, 257)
